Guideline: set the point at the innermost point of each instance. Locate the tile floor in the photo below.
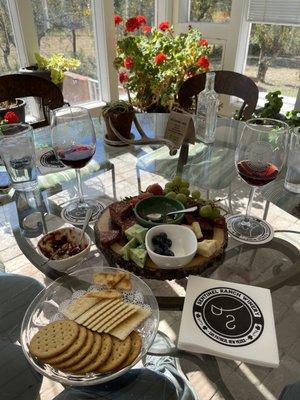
(244, 381)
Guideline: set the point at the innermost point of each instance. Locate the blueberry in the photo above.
(156, 240)
(169, 253)
(163, 236)
(158, 250)
(168, 242)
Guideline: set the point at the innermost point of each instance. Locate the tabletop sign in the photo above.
(229, 320)
(180, 128)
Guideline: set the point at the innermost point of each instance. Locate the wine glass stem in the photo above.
(248, 210)
(79, 185)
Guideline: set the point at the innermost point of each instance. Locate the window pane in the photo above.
(65, 26)
(128, 9)
(131, 8)
(273, 61)
(8, 56)
(216, 57)
(216, 11)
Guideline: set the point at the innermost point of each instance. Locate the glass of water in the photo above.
(292, 179)
(18, 155)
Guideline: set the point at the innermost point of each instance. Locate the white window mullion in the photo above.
(23, 26)
(163, 11)
(104, 29)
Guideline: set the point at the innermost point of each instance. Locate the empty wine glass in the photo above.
(259, 158)
(74, 143)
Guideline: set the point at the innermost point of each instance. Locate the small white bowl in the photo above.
(184, 245)
(73, 235)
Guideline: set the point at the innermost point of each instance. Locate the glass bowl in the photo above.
(46, 307)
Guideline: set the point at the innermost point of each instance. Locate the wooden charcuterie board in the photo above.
(198, 265)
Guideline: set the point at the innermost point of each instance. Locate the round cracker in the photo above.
(90, 357)
(53, 339)
(103, 355)
(136, 345)
(79, 355)
(119, 353)
(76, 346)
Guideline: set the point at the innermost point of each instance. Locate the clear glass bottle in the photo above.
(207, 110)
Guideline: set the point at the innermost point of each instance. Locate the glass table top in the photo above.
(117, 172)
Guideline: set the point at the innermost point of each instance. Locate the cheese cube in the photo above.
(207, 248)
(197, 230)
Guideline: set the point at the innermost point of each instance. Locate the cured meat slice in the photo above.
(107, 238)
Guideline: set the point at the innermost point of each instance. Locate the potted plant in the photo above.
(52, 68)
(12, 111)
(272, 108)
(120, 114)
(153, 62)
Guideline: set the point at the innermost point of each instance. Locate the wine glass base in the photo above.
(256, 231)
(75, 212)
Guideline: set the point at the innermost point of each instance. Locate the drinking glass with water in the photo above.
(292, 179)
(18, 154)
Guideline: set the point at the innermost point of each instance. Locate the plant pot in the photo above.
(18, 109)
(121, 122)
(157, 108)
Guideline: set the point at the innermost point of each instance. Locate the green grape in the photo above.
(171, 195)
(177, 180)
(206, 211)
(182, 198)
(196, 194)
(215, 213)
(185, 191)
(168, 187)
(185, 184)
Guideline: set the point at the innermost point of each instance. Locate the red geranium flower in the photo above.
(141, 20)
(123, 77)
(163, 26)
(203, 42)
(203, 62)
(118, 19)
(159, 58)
(147, 28)
(128, 62)
(11, 117)
(132, 24)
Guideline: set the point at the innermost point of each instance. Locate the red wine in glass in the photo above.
(257, 174)
(76, 156)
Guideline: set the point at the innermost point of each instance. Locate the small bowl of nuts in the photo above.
(62, 249)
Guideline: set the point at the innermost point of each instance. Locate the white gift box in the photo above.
(229, 320)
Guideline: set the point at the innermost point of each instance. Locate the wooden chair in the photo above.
(18, 85)
(226, 82)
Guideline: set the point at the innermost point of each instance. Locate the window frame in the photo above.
(233, 36)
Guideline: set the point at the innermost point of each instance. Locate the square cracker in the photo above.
(130, 309)
(124, 284)
(121, 319)
(104, 314)
(122, 330)
(104, 294)
(103, 320)
(108, 279)
(79, 306)
(90, 312)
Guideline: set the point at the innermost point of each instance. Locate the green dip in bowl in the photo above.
(157, 204)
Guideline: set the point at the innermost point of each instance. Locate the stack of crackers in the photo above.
(99, 335)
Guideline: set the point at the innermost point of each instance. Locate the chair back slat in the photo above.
(18, 85)
(226, 82)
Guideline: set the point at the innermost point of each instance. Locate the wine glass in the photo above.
(74, 143)
(259, 158)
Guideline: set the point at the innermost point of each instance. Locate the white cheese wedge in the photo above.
(189, 226)
(207, 248)
(197, 230)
